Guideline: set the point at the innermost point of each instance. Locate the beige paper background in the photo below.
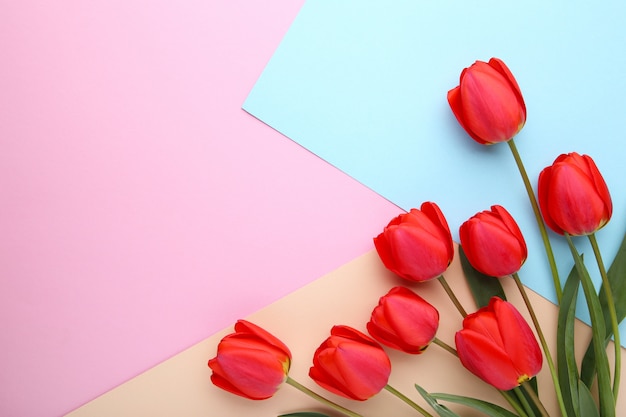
(181, 385)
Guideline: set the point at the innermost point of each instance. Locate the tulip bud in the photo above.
(403, 320)
(493, 242)
(488, 103)
(350, 364)
(250, 362)
(497, 345)
(416, 245)
(573, 196)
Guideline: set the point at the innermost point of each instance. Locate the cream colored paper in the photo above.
(181, 385)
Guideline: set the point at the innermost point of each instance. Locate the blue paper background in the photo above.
(363, 85)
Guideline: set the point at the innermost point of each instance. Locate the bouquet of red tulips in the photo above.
(495, 343)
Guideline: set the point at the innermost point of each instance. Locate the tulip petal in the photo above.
(412, 321)
(490, 248)
(485, 359)
(424, 255)
(512, 226)
(352, 334)
(543, 195)
(383, 248)
(484, 321)
(573, 196)
(254, 374)
(353, 370)
(501, 67)
(433, 212)
(244, 326)
(456, 105)
(364, 369)
(490, 105)
(580, 209)
(351, 364)
(600, 185)
(404, 321)
(520, 343)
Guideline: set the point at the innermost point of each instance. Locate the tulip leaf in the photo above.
(487, 408)
(442, 410)
(588, 407)
(482, 286)
(605, 393)
(617, 280)
(304, 414)
(566, 358)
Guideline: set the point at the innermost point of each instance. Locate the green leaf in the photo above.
(442, 410)
(566, 358)
(588, 407)
(482, 286)
(304, 414)
(617, 280)
(487, 408)
(605, 393)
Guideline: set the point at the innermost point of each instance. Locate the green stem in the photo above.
(450, 293)
(407, 400)
(321, 399)
(513, 403)
(524, 401)
(445, 346)
(533, 396)
(544, 344)
(612, 313)
(540, 223)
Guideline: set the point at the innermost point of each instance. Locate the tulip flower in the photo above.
(416, 245)
(403, 320)
(573, 196)
(250, 362)
(488, 102)
(350, 364)
(493, 242)
(497, 345)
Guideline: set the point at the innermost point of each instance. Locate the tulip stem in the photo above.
(450, 293)
(445, 346)
(521, 412)
(533, 396)
(540, 223)
(321, 399)
(528, 410)
(612, 313)
(544, 344)
(407, 400)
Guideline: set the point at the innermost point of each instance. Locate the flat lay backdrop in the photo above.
(143, 210)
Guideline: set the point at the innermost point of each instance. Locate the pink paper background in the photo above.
(141, 209)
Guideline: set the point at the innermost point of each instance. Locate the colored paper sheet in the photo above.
(142, 209)
(182, 386)
(363, 86)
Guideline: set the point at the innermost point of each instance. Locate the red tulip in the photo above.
(350, 364)
(497, 345)
(493, 242)
(403, 320)
(488, 102)
(416, 245)
(573, 196)
(250, 362)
